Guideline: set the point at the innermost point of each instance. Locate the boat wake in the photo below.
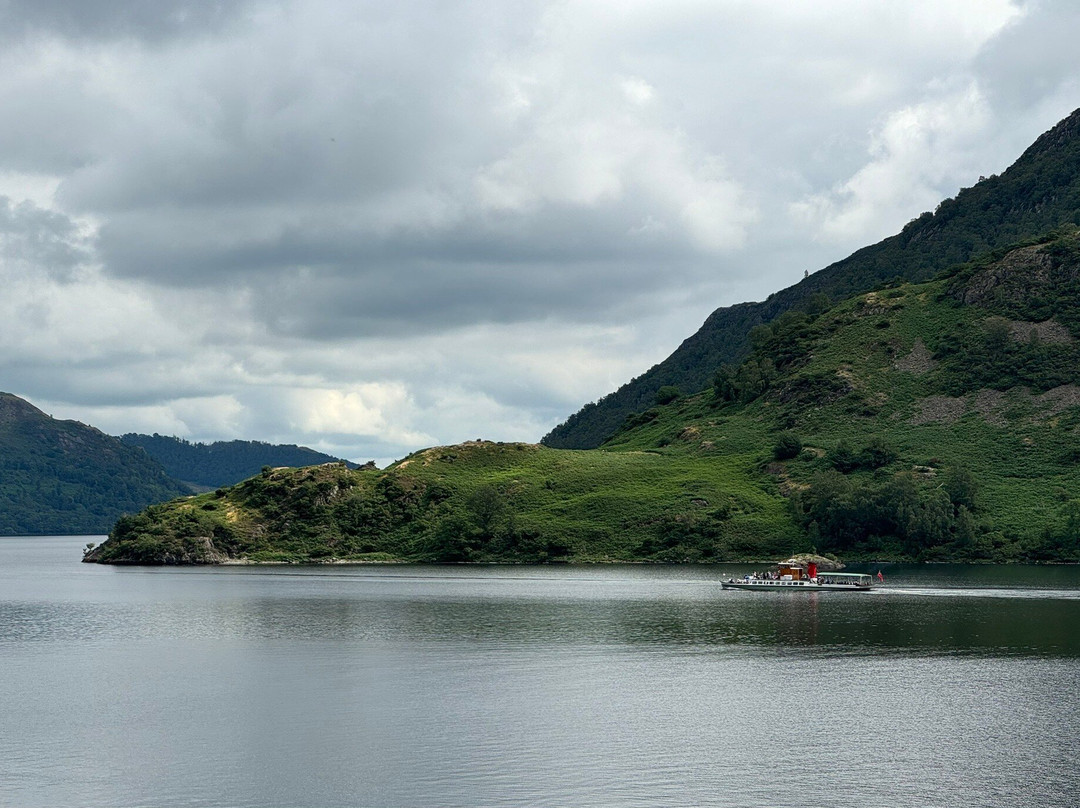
(981, 592)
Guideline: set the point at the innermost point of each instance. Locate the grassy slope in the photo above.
(693, 480)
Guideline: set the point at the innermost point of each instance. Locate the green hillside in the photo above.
(1039, 192)
(66, 477)
(223, 462)
(935, 421)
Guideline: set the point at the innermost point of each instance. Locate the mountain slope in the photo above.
(936, 421)
(1040, 191)
(223, 462)
(66, 477)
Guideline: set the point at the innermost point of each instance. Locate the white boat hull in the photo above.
(799, 586)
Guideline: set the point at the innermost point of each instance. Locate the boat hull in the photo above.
(793, 586)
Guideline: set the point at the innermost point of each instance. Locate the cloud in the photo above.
(114, 19)
(368, 225)
(34, 239)
(913, 153)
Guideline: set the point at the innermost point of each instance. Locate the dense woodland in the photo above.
(66, 477)
(223, 462)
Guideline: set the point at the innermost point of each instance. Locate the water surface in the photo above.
(505, 686)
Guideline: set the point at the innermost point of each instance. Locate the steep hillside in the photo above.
(66, 477)
(223, 462)
(1040, 191)
(938, 420)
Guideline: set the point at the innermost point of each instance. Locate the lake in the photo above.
(615, 685)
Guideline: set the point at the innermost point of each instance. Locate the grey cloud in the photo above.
(39, 241)
(111, 19)
(322, 165)
(1033, 58)
(425, 299)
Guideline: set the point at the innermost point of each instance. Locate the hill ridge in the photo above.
(63, 476)
(1039, 191)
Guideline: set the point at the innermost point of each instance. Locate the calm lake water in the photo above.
(539, 686)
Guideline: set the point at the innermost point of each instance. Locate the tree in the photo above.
(487, 507)
(961, 487)
(667, 394)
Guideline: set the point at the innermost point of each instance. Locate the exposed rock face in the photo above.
(194, 550)
(989, 404)
(993, 405)
(940, 410)
(919, 361)
(1017, 276)
(1049, 331)
(1026, 281)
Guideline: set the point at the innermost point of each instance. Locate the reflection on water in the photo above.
(612, 685)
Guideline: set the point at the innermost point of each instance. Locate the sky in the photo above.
(372, 227)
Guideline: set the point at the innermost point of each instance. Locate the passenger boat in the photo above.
(802, 577)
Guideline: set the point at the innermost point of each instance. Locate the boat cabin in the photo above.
(793, 572)
(853, 579)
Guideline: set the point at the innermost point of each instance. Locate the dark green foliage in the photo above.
(488, 508)
(961, 488)
(667, 394)
(686, 539)
(1060, 538)
(812, 389)
(985, 355)
(918, 520)
(66, 477)
(843, 459)
(636, 419)
(1040, 191)
(745, 383)
(223, 462)
(787, 446)
(872, 456)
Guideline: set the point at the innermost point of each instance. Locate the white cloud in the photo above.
(372, 409)
(912, 154)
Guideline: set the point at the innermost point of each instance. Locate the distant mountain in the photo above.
(66, 477)
(1039, 192)
(223, 462)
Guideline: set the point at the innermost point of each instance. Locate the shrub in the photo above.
(787, 446)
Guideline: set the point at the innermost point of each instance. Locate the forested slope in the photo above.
(66, 477)
(223, 462)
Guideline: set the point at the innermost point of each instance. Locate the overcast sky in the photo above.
(370, 227)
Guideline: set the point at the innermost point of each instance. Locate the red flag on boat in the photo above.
(880, 577)
(811, 570)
